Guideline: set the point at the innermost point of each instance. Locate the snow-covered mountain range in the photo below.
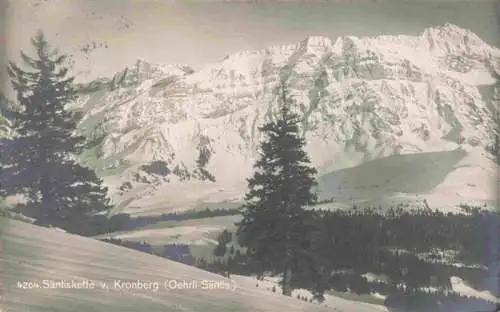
(388, 117)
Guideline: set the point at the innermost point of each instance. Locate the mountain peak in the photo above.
(314, 43)
(451, 28)
(142, 65)
(141, 70)
(451, 34)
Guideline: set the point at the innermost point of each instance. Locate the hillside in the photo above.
(34, 254)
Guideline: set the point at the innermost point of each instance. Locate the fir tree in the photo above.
(222, 240)
(4, 114)
(39, 161)
(274, 227)
(4, 126)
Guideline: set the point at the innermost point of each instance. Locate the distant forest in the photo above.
(124, 222)
(101, 224)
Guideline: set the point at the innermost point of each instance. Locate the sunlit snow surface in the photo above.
(459, 286)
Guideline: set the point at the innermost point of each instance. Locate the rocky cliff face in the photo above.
(362, 100)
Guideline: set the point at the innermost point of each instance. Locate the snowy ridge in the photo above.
(361, 98)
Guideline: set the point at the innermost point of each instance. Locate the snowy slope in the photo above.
(192, 232)
(164, 128)
(336, 303)
(459, 286)
(34, 254)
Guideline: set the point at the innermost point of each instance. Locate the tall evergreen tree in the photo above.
(222, 240)
(274, 227)
(4, 126)
(39, 161)
(4, 114)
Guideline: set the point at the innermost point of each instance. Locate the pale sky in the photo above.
(200, 32)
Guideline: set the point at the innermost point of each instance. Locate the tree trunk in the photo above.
(46, 213)
(287, 281)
